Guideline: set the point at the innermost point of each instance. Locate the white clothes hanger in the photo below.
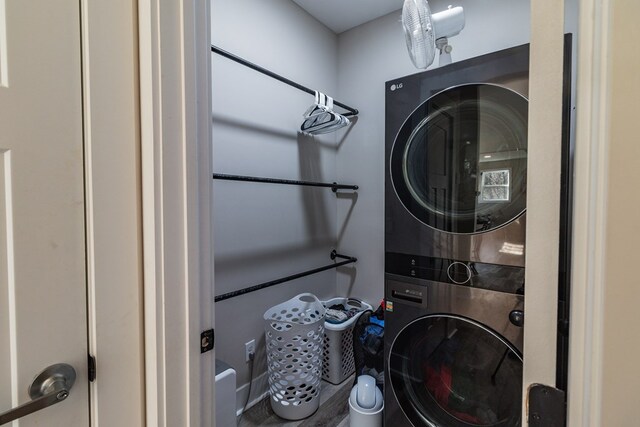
(320, 117)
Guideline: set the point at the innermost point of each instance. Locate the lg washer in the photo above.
(454, 351)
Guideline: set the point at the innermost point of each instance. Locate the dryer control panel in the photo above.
(493, 277)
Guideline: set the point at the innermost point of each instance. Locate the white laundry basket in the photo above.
(294, 332)
(337, 348)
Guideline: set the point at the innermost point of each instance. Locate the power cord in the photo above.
(244, 408)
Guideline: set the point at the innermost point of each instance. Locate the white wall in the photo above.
(368, 56)
(265, 231)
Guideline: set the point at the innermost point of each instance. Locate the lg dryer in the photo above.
(456, 161)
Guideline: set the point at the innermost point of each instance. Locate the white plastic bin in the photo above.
(366, 403)
(294, 332)
(337, 348)
(225, 402)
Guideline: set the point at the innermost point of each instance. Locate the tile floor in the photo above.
(333, 411)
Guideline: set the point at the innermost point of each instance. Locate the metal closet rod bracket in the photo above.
(334, 185)
(351, 111)
(335, 255)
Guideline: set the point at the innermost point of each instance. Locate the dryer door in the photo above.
(459, 161)
(449, 371)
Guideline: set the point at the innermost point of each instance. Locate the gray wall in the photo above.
(368, 56)
(264, 231)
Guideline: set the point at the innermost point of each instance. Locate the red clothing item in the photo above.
(438, 384)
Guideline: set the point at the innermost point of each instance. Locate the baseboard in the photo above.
(259, 388)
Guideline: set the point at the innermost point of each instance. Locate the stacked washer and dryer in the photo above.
(456, 168)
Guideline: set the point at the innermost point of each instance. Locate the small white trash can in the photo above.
(365, 403)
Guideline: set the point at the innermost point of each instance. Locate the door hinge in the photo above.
(547, 406)
(207, 339)
(92, 368)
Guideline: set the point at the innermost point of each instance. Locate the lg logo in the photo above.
(395, 86)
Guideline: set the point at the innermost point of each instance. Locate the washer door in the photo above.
(449, 371)
(459, 162)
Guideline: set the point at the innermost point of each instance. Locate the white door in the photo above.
(42, 250)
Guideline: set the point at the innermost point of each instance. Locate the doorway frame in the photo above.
(113, 221)
(175, 122)
(147, 106)
(175, 102)
(590, 214)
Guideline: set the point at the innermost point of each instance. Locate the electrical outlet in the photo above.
(249, 347)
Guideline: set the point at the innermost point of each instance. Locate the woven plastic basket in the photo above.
(294, 332)
(337, 348)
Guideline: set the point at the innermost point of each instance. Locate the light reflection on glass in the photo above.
(511, 249)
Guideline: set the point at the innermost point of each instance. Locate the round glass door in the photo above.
(449, 371)
(459, 162)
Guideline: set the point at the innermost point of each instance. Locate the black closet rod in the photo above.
(231, 56)
(334, 255)
(334, 186)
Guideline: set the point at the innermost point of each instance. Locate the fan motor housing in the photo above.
(448, 23)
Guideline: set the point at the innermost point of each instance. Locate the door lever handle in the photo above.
(50, 387)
